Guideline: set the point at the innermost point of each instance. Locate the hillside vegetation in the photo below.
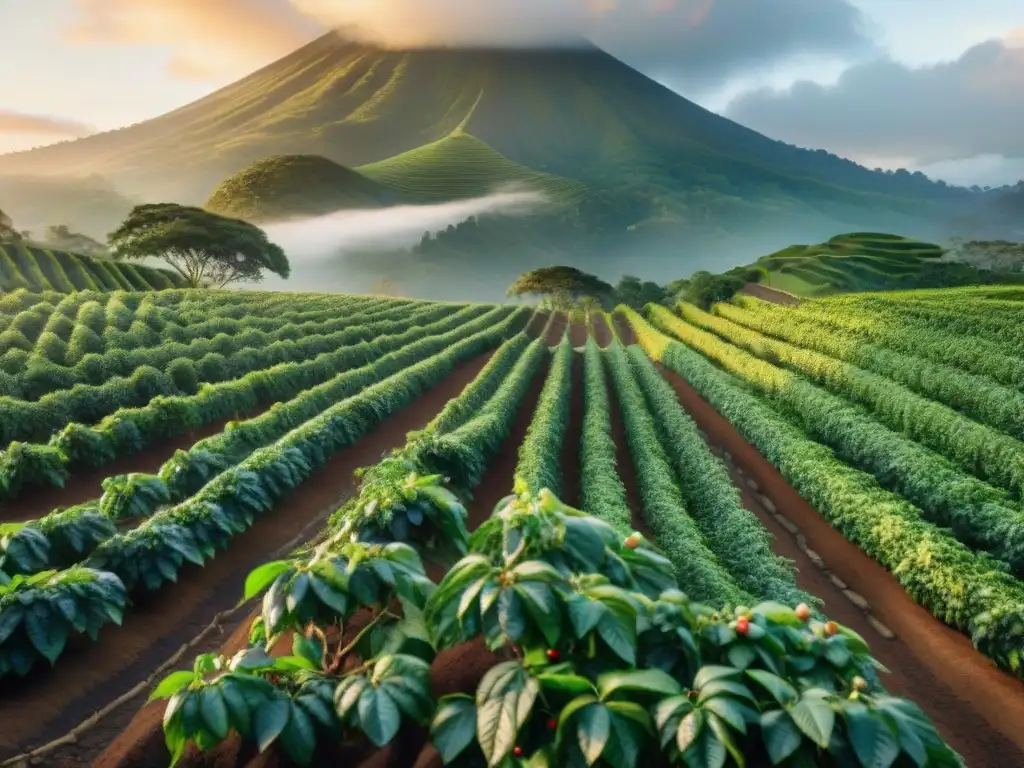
(287, 186)
(41, 269)
(865, 261)
(461, 166)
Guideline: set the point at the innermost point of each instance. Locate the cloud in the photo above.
(969, 107)
(684, 40)
(206, 38)
(698, 42)
(19, 122)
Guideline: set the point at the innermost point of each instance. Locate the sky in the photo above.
(933, 85)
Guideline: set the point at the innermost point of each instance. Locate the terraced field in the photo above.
(858, 261)
(215, 461)
(42, 270)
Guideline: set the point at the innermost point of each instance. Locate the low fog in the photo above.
(322, 250)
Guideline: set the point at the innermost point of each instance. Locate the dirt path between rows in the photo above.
(85, 483)
(774, 295)
(977, 708)
(624, 330)
(578, 333)
(51, 702)
(623, 459)
(556, 330)
(497, 481)
(602, 333)
(536, 325)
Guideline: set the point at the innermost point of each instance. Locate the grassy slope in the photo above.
(38, 269)
(461, 166)
(291, 185)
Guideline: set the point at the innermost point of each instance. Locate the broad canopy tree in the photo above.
(560, 281)
(7, 230)
(208, 250)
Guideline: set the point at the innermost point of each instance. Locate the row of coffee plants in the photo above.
(39, 613)
(981, 515)
(129, 430)
(980, 397)
(599, 658)
(83, 361)
(602, 493)
(698, 568)
(972, 354)
(732, 532)
(539, 463)
(182, 316)
(88, 403)
(66, 536)
(975, 447)
(464, 453)
(964, 589)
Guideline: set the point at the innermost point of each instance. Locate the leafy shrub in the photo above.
(212, 367)
(83, 341)
(601, 659)
(184, 375)
(52, 347)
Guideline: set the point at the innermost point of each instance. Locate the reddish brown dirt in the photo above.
(497, 481)
(570, 459)
(89, 675)
(578, 333)
(624, 330)
(977, 708)
(773, 295)
(86, 483)
(536, 325)
(602, 333)
(557, 329)
(623, 459)
(624, 463)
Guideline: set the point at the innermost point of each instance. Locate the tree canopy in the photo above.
(60, 236)
(637, 293)
(205, 248)
(7, 230)
(559, 281)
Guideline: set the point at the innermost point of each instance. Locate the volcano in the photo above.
(574, 112)
(625, 159)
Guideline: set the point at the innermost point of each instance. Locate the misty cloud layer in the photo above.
(19, 122)
(326, 239)
(698, 42)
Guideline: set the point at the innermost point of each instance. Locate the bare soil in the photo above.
(498, 480)
(536, 325)
(624, 330)
(977, 708)
(602, 333)
(556, 330)
(623, 458)
(773, 295)
(578, 333)
(48, 703)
